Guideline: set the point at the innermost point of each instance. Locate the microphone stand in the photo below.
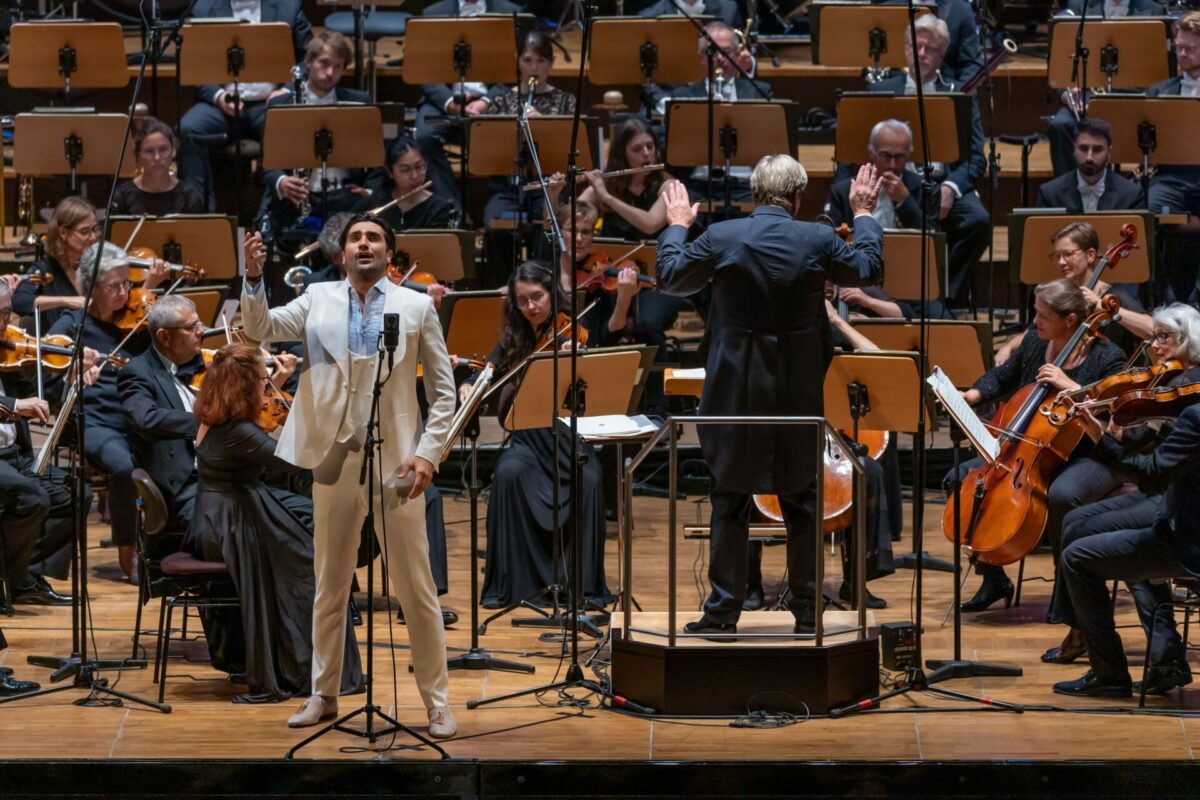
(915, 678)
(1079, 66)
(83, 667)
(574, 679)
(366, 477)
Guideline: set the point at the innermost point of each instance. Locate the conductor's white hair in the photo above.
(891, 125)
(776, 179)
(1184, 320)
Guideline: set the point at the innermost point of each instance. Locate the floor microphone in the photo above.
(391, 336)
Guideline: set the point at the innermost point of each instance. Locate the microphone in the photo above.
(391, 336)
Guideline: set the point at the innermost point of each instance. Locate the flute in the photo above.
(616, 174)
(313, 245)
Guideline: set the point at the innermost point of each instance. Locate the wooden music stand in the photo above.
(883, 375)
(610, 375)
(451, 49)
(902, 264)
(1173, 121)
(49, 144)
(492, 144)
(208, 303)
(71, 55)
(1136, 49)
(759, 128)
(235, 52)
(948, 115)
(848, 34)
(643, 50)
(1031, 265)
(442, 253)
(473, 331)
(962, 348)
(207, 240)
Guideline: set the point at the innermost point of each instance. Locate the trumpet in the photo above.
(529, 187)
(25, 210)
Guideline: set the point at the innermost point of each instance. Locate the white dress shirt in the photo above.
(1090, 193)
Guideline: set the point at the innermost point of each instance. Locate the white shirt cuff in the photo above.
(954, 188)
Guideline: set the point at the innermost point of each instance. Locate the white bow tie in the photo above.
(1190, 86)
(1091, 189)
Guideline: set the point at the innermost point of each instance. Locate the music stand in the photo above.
(902, 264)
(345, 136)
(948, 116)
(45, 143)
(1150, 130)
(237, 53)
(473, 331)
(442, 253)
(962, 348)
(206, 240)
(1133, 53)
(604, 386)
(79, 55)
(208, 302)
(1029, 265)
(742, 133)
(848, 34)
(645, 51)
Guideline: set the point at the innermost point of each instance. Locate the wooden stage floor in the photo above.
(205, 724)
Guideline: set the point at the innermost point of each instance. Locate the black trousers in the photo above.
(36, 520)
(108, 450)
(1132, 511)
(1087, 566)
(728, 546)
(968, 230)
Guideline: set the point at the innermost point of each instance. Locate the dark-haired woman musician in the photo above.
(521, 515)
(156, 191)
(406, 169)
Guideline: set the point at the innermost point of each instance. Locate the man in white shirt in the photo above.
(1091, 186)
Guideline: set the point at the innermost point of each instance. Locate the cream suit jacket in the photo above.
(320, 319)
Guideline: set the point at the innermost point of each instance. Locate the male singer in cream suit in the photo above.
(340, 325)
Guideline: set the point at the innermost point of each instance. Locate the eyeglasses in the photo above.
(114, 288)
(531, 300)
(1063, 255)
(91, 230)
(415, 169)
(1185, 48)
(194, 326)
(5, 311)
(1162, 337)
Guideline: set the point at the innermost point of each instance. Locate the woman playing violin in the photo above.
(1059, 307)
(521, 516)
(1076, 250)
(106, 444)
(71, 230)
(1176, 336)
(262, 534)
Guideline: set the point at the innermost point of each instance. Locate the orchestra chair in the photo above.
(1188, 604)
(178, 580)
(376, 25)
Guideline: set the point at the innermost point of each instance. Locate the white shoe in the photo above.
(315, 709)
(441, 723)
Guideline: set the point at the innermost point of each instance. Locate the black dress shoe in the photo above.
(989, 592)
(846, 595)
(1072, 648)
(1162, 680)
(5, 672)
(39, 594)
(355, 614)
(806, 619)
(1092, 685)
(448, 618)
(706, 625)
(755, 598)
(10, 686)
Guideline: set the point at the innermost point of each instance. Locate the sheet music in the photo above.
(986, 444)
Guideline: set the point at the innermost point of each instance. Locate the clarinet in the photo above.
(300, 97)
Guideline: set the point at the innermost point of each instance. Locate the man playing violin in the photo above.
(768, 345)
(36, 513)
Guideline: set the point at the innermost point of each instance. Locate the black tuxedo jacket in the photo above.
(1120, 193)
(908, 213)
(963, 58)
(964, 172)
(162, 432)
(767, 343)
(288, 11)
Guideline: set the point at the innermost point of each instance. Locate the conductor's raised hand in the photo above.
(422, 474)
(680, 208)
(864, 190)
(255, 253)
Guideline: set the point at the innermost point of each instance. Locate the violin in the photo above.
(1165, 402)
(136, 308)
(1002, 504)
(197, 380)
(564, 330)
(37, 278)
(18, 349)
(141, 259)
(599, 272)
(276, 404)
(1106, 391)
(418, 281)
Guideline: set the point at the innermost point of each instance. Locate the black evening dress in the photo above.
(264, 536)
(521, 520)
(183, 199)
